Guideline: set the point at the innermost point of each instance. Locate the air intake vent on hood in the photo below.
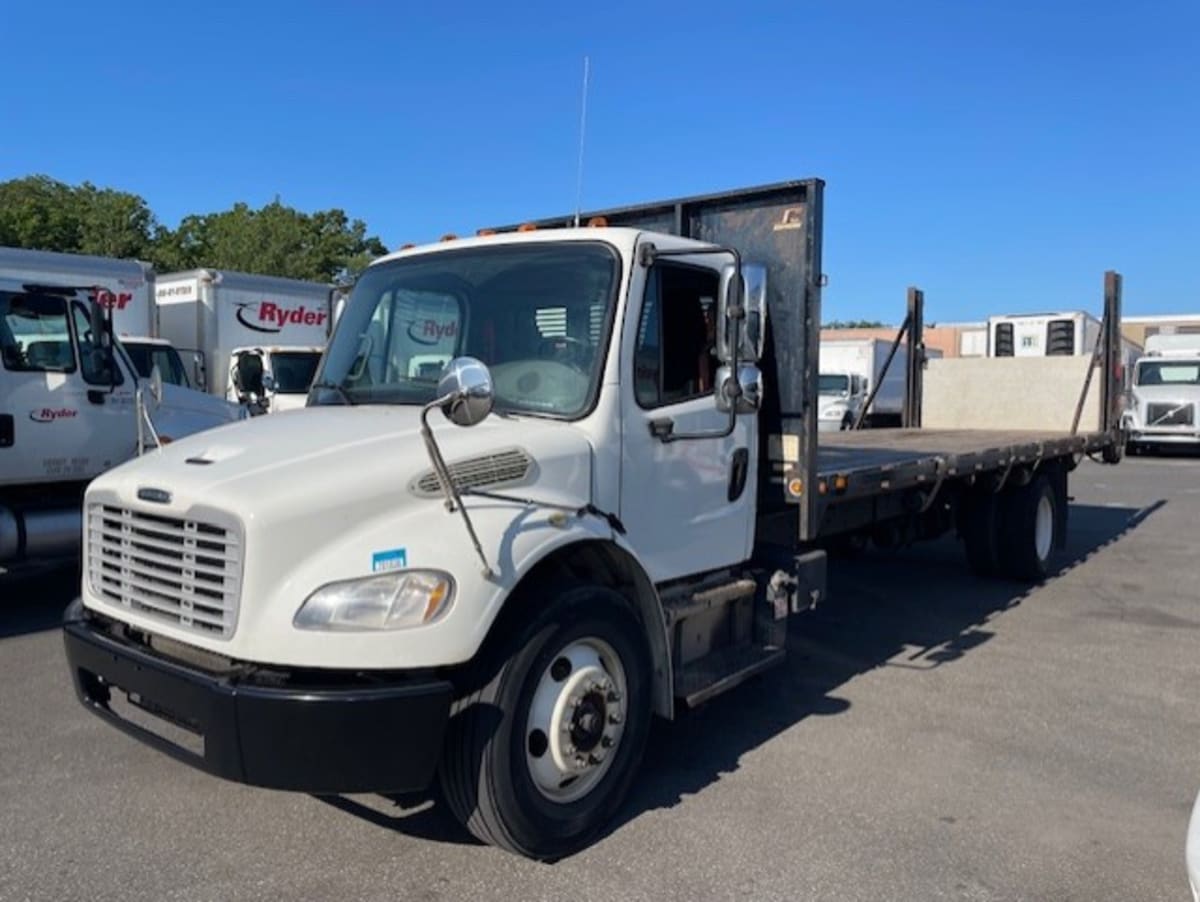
(501, 468)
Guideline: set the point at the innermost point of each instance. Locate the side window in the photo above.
(94, 364)
(34, 337)
(674, 358)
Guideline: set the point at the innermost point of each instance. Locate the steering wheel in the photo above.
(574, 352)
(545, 384)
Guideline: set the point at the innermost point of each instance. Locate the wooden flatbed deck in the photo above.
(882, 460)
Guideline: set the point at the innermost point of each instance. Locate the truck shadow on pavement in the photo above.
(917, 609)
(33, 601)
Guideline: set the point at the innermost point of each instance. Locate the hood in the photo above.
(351, 463)
(1165, 394)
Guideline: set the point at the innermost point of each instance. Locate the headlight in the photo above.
(389, 601)
(834, 411)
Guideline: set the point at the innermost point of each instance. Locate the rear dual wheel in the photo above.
(1011, 533)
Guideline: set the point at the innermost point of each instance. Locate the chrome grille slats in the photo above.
(511, 466)
(186, 572)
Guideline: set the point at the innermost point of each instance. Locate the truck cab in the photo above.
(1165, 395)
(273, 379)
(71, 407)
(841, 396)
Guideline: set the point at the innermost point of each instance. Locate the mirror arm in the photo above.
(453, 499)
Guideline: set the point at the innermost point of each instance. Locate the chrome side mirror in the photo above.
(751, 295)
(156, 384)
(466, 391)
(743, 394)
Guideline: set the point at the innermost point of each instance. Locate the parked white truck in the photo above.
(628, 523)
(850, 370)
(1165, 396)
(124, 287)
(72, 405)
(260, 338)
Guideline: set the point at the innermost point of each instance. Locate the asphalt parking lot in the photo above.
(930, 737)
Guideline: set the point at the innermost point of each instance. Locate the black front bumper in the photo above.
(344, 736)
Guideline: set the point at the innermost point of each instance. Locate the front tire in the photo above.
(539, 756)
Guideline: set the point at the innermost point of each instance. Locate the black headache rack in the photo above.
(779, 226)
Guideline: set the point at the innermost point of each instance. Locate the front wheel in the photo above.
(540, 755)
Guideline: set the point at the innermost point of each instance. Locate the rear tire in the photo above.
(1030, 522)
(540, 754)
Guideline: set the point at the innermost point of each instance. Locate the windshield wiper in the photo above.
(335, 387)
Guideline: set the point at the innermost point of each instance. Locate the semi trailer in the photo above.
(607, 505)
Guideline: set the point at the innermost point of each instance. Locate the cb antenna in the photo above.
(582, 133)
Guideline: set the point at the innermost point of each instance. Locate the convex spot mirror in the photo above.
(466, 391)
(743, 394)
(751, 294)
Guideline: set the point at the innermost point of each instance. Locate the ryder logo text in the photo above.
(50, 414)
(269, 316)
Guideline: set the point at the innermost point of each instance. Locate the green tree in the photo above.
(274, 240)
(854, 324)
(43, 214)
(38, 212)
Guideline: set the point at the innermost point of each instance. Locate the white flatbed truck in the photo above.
(370, 596)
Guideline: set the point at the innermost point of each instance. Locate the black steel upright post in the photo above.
(1110, 386)
(915, 369)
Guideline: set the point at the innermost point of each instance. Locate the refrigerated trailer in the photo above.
(607, 505)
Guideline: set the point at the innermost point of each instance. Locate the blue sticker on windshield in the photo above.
(393, 559)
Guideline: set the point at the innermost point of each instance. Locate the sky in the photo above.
(1000, 155)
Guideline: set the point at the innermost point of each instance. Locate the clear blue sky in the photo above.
(1001, 155)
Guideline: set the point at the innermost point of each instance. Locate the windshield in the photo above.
(537, 315)
(147, 356)
(833, 384)
(293, 371)
(1168, 372)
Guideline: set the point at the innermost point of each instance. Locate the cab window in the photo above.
(96, 366)
(34, 337)
(674, 357)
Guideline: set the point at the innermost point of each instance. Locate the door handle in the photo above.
(662, 428)
(739, 467)
(7, 430)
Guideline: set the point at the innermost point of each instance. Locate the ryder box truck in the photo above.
(259, 337)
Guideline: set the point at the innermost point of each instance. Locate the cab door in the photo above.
(61, 420)
(688, 505)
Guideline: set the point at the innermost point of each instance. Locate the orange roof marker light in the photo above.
(449, 236)
(405, 247)
(484, 233)
(597, 222)
(527, 227)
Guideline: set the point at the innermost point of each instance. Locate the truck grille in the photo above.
(1170, 415)
(184, 572)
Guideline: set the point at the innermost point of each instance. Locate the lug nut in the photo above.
(615, 718)
(614, 696)
(606, 741)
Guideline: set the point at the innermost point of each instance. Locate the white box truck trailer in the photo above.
(259, 337)
(418, 588)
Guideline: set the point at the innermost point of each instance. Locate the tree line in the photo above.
(41, 213)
